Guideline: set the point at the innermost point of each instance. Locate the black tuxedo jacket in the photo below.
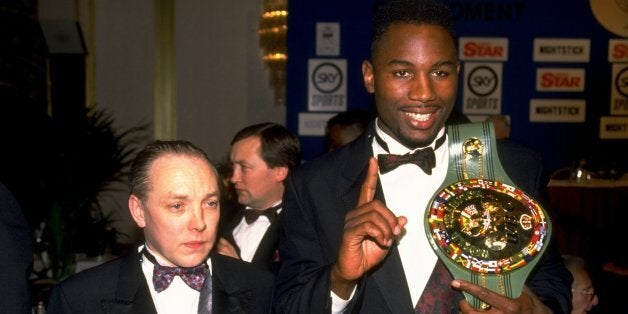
(265, 256)
(317, 197)
(119, 286)
(16, 260)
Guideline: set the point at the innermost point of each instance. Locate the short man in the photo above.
(584, 296)
(175, 199)
(345, 127)
(262, 155)
(353, 239)
(501, 125)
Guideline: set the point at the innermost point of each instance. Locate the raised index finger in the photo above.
(367, 192)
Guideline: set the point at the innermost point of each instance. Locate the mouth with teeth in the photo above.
(422, 117)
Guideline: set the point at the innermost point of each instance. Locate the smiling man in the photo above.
(353, 237)
(175, 200)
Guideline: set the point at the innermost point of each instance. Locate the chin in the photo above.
(413, 143)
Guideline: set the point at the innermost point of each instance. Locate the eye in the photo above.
(246, 168)
(440, 73)
(402, 74)
(176, 207)
(212, 204)
(444, 70)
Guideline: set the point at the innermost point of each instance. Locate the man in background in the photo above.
(262, 156)
(501, 124)
(584, 296)
(345, 127)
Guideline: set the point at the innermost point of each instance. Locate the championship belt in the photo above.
(482, 227)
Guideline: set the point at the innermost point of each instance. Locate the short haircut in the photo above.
(573, 262)
(361, 118)
(139, 175)
(419, 12)
(279, 147)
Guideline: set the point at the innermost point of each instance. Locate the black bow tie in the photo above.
(251, 215)
(194, 277)
(424, 158)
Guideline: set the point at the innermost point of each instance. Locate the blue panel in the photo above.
(521, 22)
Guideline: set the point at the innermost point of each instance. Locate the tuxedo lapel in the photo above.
(231, 293)
(266, 249)
(391, 281)
(132, 294)
(355, 169)
(389, 278)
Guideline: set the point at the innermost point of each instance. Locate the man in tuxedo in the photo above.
(353, 237)
(175, 200)
(262, 156)
(16, 262)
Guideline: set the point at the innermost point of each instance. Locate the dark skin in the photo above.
(413, 75)
(368, 234)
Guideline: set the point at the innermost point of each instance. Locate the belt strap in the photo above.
(483, 228)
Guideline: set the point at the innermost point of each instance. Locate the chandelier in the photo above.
(272, 36)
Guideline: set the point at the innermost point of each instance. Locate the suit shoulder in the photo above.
(336, 161)
(95, 276)
(511, 147)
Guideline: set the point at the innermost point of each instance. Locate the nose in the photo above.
(421, 89)
(235, 175)
(197, 219)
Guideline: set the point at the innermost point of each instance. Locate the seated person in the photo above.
(584, 296)
(175, 200)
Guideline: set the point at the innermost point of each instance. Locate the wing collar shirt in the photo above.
(407, 190)
(178, 298)
(248, 237)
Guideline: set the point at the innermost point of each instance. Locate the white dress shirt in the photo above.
(248, 237)
(407, 190)
(178, 298)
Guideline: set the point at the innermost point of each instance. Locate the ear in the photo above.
(281, 173)
(137, 211)
(367, 75)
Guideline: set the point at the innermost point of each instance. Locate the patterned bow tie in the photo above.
(424, 158)
(251, 215)
(194, 277)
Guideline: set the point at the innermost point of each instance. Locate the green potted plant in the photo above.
(85, 159)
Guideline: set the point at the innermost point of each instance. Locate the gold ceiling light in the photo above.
(273, 27)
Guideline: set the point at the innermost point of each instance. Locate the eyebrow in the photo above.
(212, 194)
(435, 65)
(186, 197)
